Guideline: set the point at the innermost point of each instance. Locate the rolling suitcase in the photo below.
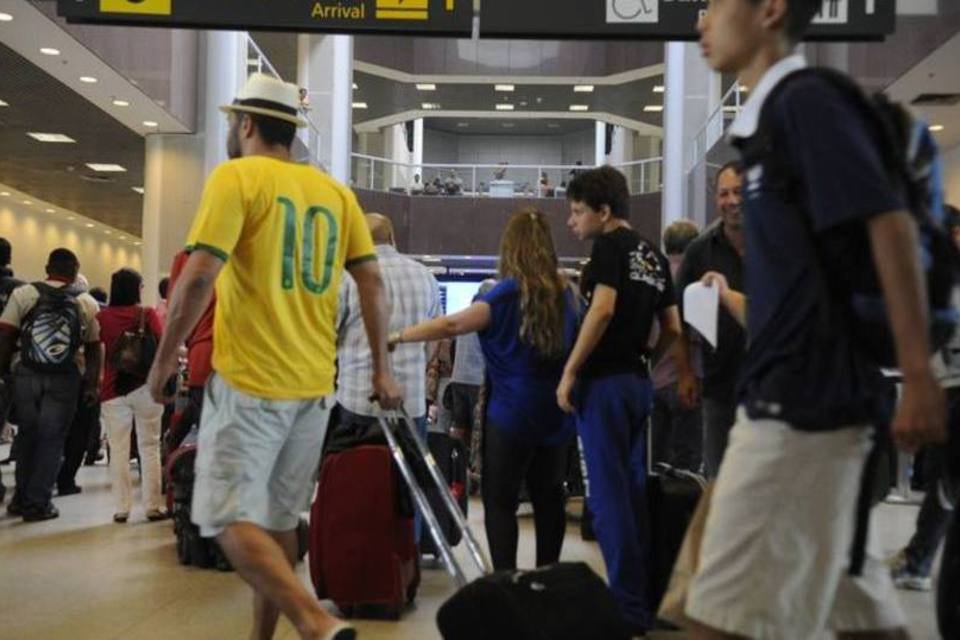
(672, 498)
(362, 550)
(451, 456)
(562, 602)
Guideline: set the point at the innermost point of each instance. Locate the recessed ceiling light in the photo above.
(731, 108)
(359, 105)
(430, 106)
(4, 104)
(355, 86)
(5, 194)
(553, 125)
(50, 210)
(50, 51)
(508, 125)
(71, 218)
(659, 88)
(463, 124)
(89, 225)
(653, 108)
(137, 244)
(936, 128)
(108, 232)
(88, 80)
(106, 167)
(426, 86)
(504, 87)
(27, 202)
(5, 17)
(583, 88)
(138, 190)
(51, 137)
(151, 124)
(744, 88)
(504, 107)
(579, 107)
(121, 103)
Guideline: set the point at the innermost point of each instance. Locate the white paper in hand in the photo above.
(701, 310)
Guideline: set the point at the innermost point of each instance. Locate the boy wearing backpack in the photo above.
(776, 554)
(52, 326)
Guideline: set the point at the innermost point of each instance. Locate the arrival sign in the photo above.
(427, 17)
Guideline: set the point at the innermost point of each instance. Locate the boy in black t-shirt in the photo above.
(775, 556)
(606, 381)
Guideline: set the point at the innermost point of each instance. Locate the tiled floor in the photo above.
(81, 577)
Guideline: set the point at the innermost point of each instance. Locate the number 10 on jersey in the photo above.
(309, 247)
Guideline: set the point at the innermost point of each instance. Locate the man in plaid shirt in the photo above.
(414, 296)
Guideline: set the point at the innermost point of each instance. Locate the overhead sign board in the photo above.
(662, 19)
(427, 17)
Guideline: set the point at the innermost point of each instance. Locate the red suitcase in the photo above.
(362, 550)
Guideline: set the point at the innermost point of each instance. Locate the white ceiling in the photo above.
(937, 73)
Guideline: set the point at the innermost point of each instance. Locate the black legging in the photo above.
(948, 601)
(506, 463)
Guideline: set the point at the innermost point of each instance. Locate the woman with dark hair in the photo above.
(527, 325)
(126, 400)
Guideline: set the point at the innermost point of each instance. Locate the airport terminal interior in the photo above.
(444, 116)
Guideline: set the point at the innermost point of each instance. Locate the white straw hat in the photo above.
(267, 96)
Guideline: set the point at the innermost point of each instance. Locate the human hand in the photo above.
(387, 392)
(715, 279)
(688, 390)
(161, 375)
(565, 391)
(921, 417)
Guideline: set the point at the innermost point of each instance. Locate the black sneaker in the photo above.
(39, 514)
(69, 491)
(14, 508)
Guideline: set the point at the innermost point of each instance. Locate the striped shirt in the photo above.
(414, 296)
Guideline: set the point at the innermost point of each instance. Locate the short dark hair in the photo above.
(125, 288)
(603, 186)
(799, 16)
(274, 131)
(6, 252)
(98, 294)
(164, 287)
(678, 237)
(734, 165)
(64, 263)
(951, 217)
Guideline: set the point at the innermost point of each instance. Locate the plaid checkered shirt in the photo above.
(414, 296)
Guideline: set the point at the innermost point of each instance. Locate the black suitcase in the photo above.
(567, 601)
(672, 497)
(451, 456)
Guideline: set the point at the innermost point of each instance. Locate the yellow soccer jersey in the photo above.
(286, 232)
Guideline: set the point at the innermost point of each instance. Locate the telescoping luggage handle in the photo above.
(399, 419)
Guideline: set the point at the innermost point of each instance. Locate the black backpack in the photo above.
(912, 161)
(7, 286)
(50, 336)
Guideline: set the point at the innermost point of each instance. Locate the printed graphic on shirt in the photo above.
(646, 268)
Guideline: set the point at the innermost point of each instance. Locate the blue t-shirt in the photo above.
(523, 385)
(802, 366)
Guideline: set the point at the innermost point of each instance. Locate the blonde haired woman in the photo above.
(527, 325)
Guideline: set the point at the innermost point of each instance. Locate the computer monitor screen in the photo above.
(457, 295)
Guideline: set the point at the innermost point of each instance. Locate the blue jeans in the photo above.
(612, 413)
(46, 404)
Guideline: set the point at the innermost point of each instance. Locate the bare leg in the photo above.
(266, 614)
(703, 632)
(264, 565)
(892, 634)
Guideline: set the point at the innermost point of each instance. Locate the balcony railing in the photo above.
(489, 180)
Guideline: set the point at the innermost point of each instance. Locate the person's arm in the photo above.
(594, 325)
(376, 320)
(733, 301)
(688, 383)
(921, 416)
(669, 320)
(189, 301)
(474, 318)
(93, 361)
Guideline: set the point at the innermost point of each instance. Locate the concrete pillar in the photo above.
(692, 94)
(417, 159)
(177, 164)
(325, 69)
(600, 144)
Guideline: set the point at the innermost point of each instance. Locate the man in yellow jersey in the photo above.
(279, 235)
